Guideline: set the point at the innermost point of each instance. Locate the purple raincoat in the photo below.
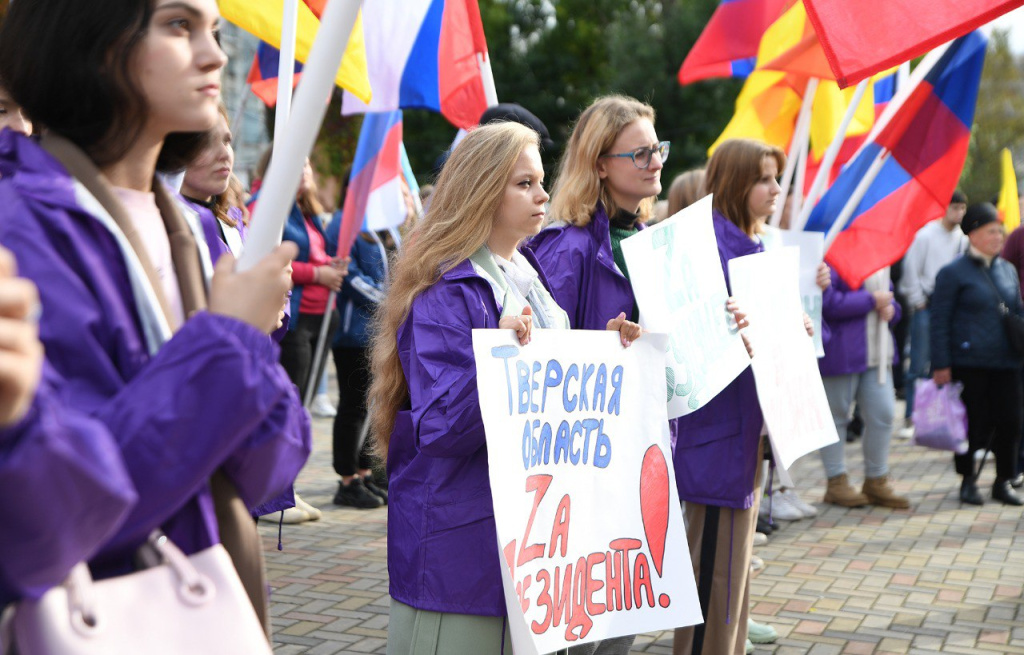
(846, 313)
(585, 281)
(213, 397)
(442, 541)
(72, 461)
(716, 450)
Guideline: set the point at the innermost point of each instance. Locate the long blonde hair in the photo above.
(578, 186)
(466, 199)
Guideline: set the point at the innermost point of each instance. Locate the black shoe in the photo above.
(1017, 482)
(1002, 490)
(764, 527)
(355, 494)
(969, 492)
(377, 491)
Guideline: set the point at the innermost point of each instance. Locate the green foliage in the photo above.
(998, 120)
(555, 56)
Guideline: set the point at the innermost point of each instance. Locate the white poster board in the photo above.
(812, 253)
(679, 286)
(589, 524)
(789, 387)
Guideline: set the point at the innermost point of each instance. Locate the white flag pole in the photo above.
(858, 194)
(298, 136)
(285, 70)
(798, 183)
(902, 93)
(801, 136)
(883, 334)
(824, 171)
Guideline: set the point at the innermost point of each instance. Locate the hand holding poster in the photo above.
(588, 518)
(812, 254)
(679, 286)
(789, 385)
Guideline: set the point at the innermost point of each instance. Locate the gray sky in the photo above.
(1013, 21)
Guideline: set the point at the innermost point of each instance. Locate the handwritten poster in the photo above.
(789, 387)
(589, 524)
(812, 253)
(679, 286)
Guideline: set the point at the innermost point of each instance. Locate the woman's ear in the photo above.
(602, 169)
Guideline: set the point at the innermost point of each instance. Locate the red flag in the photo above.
(728, 45)
(864, 38)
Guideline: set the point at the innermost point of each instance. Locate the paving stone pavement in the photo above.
(936, 578)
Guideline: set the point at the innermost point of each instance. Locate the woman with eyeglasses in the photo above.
(607, 182)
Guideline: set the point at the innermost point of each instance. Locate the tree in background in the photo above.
(998, 121)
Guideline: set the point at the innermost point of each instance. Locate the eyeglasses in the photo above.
(642, 156)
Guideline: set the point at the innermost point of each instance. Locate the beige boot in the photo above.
(839, 492)
(880, 492)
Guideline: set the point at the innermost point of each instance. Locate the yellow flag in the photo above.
(1009, 203)
(263, 18)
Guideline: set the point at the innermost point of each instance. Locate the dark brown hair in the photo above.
(70, 65)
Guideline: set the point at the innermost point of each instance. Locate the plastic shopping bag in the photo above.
(940, 418)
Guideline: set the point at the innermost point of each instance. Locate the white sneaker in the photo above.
(756, 563)
(314, 513)
(760, 539)
(321, 407)
(793, 499)
(782, 508)
(294, 515)
(905, 432)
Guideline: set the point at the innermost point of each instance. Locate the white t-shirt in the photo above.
(145, 216)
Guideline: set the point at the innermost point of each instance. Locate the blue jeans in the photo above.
(920, 353)
(876, 402)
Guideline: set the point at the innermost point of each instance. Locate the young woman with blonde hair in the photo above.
(607, 182)
(460, 269)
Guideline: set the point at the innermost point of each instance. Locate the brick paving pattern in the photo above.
(936, 578)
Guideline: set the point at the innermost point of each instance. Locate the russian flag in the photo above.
(728, 45)
(263, 74)
(922, 151)
(884, 88)
(424, 54)
(374, 200)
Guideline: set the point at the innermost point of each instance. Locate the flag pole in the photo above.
(824, 171)
(883, 333)
(285, 71)
(298, 136)
(858, 194)
(902, 93)
(798, 183)
(800, 140)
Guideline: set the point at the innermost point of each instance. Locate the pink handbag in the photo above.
(188, 604)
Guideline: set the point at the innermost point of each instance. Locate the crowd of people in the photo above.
(146, 384)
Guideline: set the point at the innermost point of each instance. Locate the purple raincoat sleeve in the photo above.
(441, 373)
(64, 491)
(213, 396)
(840, 303)
(167, 418)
